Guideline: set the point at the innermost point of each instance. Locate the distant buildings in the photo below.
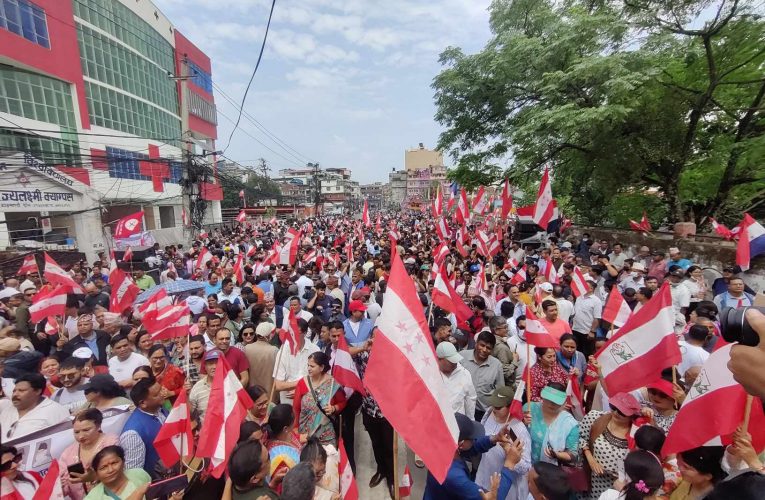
(423, 173)
(374, 194)
(337, 192)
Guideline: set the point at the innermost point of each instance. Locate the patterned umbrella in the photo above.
(176, 287)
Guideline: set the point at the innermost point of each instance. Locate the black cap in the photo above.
(99, 382)
(677, 273)
(469, 428)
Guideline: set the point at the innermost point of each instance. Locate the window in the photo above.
(166, 217)
(125, 164)
(201, 108)
(25, 19)
(36, 97)
(201, 78)
(64, 151)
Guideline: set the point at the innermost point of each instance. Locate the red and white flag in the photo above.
(175, 438)
(714, 407)
(438, 203)
(378, 225)
(643, 226)
(516, 407)
(403, 376)
(167, 322)
(463, 209)
(124, 291)
(578, 283)
(28, 266)
(507, 200)
(227, 408)
(544, 207)
(241, 217)
(184, 217)
(204, 257)
(442, 229)
(129, 225)
(50, 487)
(551, 275)
(52, 303)
(519, 277)
(290, 334)
(128, 255)
(644, 346)
(721, 229)
(365, 215)
(344, 368)
(445, 297)
(239, 269)
(616, 311)
(405, 487)
(158, 301)
(348, 488)
(574, 397)
(52, 326)
(536, 333)
(54, 274)
(480, 201)
(751, 241)
(440, 253)
(288, 251)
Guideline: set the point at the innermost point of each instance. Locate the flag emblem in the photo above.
(621, 352)
(701, 386)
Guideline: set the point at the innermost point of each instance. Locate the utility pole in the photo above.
(316, 186)
(263, 167)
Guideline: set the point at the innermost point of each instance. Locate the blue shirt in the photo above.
(92, 344)
(458, 486)
(209, 289)
(683, 264)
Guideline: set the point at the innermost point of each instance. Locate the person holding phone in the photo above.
(78, 457)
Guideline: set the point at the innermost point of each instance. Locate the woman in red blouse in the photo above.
(168, 375)
(545, 370)
(318, 400)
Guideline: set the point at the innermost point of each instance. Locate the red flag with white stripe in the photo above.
(175, 438)
(551, 275)
(442, 229)
(438, 203)
(543, 208)
(536, 333)
(516, 407)
(241, 217)
(507, 200)
(348, 488)
(227, 408)
(239, 269)
(365, 215)
(445, 297)
(480, 201)
(124, 291)
(28, 266)
(519, 277)
(644, 346)
(204, 257)
(52, 303)
(721, 229)
(52, 326)
(616, 311)
(463, 209)
(128, 255)
(158, 301)
(344, 368)
(574, 397)
(440, 253)
(405, 489)
(54, 274)
(403, 376)
(290, 334)
(50, 488)
(288, 252)
(578, 283)
(166, 321)
(184, 217)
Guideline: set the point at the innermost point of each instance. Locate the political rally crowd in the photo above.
(573, 368)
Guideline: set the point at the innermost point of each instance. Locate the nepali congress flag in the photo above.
(480, 201)
(226, 409)
(438, 203)
(128, 226)
(616, 310)
(403, 376)
(543, 208)
(644, 346)
(28, 266)
(241, 217)
(56, 275)
(446, 297)
(751, 241)
(536, 333)
(463, 209)
(507, 200)
(344, 368)
(365, 215)
(175, 438)
(578, 283)
(52, 303)
(348, 488)
(124, 291)
(714, 407)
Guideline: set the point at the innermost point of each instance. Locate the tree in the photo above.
(635, 104)
(256, 189)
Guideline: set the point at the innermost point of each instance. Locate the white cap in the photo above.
(674, 250)
(82, 353)
(547, 287)
(637, 266)
(8, 292)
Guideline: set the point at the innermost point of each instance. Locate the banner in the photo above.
(39, 448)
(143, 239)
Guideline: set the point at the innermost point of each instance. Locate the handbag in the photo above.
(318, 403)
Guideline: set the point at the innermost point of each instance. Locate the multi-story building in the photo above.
(102, 105)
(338, 191)
(425, 174)
(374, 195)
(397, 181)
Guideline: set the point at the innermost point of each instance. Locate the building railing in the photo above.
(57, 238)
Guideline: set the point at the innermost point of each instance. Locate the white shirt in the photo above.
(291, 368)
(519, 255)
(693, 355)
(565, 309)
(586, 309)
(462, 394)
(42, 416)
(518, 345)
(123, 370)
(617, 260)
(681, 296)
(303, 282)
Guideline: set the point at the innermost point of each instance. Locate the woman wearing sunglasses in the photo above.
(604, 440)
(25, 483)
(246, 336)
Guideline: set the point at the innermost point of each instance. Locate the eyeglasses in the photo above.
(67, 376)
(616, 410)
(248, 332)
(15, 460)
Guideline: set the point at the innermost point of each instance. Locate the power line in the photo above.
(261, 142)
(257, 65)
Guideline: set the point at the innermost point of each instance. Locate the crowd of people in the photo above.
(604, 446)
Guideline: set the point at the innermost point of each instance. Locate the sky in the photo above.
(345, 83)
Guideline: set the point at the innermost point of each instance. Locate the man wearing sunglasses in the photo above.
(28, 410)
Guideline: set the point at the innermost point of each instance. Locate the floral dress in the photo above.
(311, 420)
(609, 450)
(541, 377)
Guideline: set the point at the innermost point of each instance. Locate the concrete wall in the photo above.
(710, 252)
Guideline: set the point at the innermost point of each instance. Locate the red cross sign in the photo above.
(156, 170)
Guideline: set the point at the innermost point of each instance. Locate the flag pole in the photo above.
(674, 382)
(528, 375)
(396, 494)
(747, 412)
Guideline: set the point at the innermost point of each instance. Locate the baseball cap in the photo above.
(469, 428)
(98, 383)
(356, 305)
(677, 272)
(565, 244)
(625, 403)
(501, 397)
(547, 287)
(336, 302)
(663, 386)
(447, 351)
(82, 353)
(212, 354)
(365, 290)
(553, 395)
(637, 266)
(264, 329)
(8, 292)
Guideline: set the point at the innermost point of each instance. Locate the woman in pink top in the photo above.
(89, 440)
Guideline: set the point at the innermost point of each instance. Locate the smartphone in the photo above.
(511, 435)
(77, 468)
(167, 487)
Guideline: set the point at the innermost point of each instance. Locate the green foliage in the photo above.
(256, 188)
(630, 107)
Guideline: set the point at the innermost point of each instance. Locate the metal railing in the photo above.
(56, 238)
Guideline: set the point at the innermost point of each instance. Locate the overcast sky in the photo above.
(343, 82)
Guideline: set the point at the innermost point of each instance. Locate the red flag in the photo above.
(616, 310)
(516, 407)
(290, 334)
(403, 376)
(378, 225)
(519, 276)
(751, 241)
(574, 397)
(480, 201)
(50, 487)
(445, 297)
(721, 229)
(241, 217)
(440, 253)
(551, 275)
(507, 199)
(288, 251)
(543, 208)
(227, 408)
(644, 223)
(184, 217)
(348, 488)
(54, 274)
(239, 269)
(51, 326)
(438, 203)
(344, 368)
(204, 257)
(158, 301)
(365, 215)
(565, 223)
(536, 333)
(52, 303)
(128, 226)
(644, 346)
(443, 230)
(165, 318)
(128, 255)
(463, 209)
(28, 266)
(175, 438)
(714, 407)
(124, 291)
(578, 283)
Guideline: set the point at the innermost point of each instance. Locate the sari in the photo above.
(312, 420)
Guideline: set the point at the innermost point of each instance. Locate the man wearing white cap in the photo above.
(676, 259)
(95, 340)
(635, 279)
(459, 383)
(261, 356)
